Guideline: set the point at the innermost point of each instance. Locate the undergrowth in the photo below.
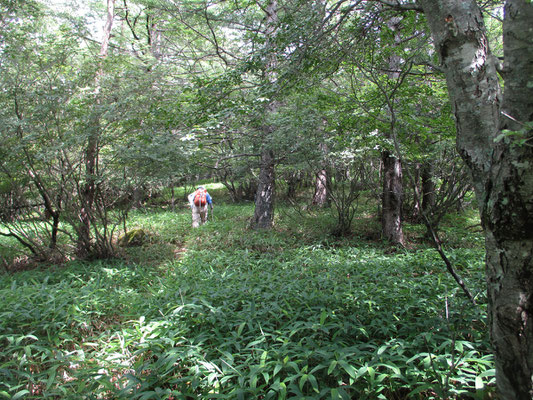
(226, 312)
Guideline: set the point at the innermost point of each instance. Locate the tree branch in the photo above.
(396, 5)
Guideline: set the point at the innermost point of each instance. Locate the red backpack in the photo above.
(200, 197)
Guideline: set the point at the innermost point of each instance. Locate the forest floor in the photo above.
(223, 311)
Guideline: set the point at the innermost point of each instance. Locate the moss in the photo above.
(135, 237)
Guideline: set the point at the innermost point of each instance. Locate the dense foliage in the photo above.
(336, 119)
(208, 89)
(223, 312)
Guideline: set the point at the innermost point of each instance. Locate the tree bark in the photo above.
(500, 166)
(264, 198)
(50, 209)
(320, 196)
(417, 192)
(392, 196)
(294, 181)
(428, 188)
(428, 197)
(88, 190)
(392, 199)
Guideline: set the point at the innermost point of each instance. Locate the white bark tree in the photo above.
(494, 133)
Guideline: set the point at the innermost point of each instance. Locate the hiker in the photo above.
(198, 200)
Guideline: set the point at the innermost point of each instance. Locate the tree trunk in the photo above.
(392, 199)
(87, 196)
(501, 169)
(88, 190)
(264, 199)
(415, 212)
(293, 180)
(321, 191)
(320, 197)
(428, 196)
(52, 211)
(428, 188)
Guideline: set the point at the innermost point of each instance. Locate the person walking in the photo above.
(199, 200)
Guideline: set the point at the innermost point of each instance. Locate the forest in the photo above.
(369, 163)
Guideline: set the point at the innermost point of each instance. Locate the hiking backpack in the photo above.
(200, 198)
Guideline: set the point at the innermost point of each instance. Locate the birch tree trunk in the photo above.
(392, 196)
(502, 167)
(417, 191)
(321, 191)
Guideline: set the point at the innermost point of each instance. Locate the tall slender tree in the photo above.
(88, 190)
(392, 195)
(264, 198)
(494, 131)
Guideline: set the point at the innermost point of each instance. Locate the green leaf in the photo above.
(253, 380)
(348, 368)
(323, 317)
(263, 358)
(240, 329)
(332, 366)
(313, 382)
(283, 390)
(303, 379)
(20, 394)
(51, 376)
(382, 349)
(421, 389)
(479, 383)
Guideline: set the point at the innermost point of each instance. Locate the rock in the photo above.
(135, 237)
